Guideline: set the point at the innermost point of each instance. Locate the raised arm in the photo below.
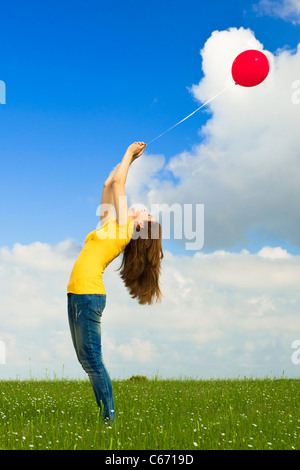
(107, 199)
(132, 153)
(119, 179)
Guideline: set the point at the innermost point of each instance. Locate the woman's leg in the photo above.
(85, 312)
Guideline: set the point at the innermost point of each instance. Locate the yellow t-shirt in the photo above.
(101, 247)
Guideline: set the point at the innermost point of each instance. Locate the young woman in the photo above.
(138, 235)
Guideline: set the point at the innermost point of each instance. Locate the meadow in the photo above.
(237, 414)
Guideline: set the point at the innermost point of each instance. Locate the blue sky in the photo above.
(84, 80)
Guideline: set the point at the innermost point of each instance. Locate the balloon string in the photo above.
(200, 107)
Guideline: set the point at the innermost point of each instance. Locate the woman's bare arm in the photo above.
(109, 180)
(132, 153)
(107, 204)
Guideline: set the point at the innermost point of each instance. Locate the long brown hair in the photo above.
(141, 264)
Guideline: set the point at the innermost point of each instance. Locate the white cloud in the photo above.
(288, 10)
(218, 309)
(246, 169)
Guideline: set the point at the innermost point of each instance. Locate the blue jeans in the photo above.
(85, 312)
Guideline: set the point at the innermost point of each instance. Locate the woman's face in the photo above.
(140, 216)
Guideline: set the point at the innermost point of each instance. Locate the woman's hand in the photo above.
(109, 180)
(135, 150)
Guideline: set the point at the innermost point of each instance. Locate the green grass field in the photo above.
(152, 414)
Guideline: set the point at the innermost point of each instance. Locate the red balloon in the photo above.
(250, 68)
